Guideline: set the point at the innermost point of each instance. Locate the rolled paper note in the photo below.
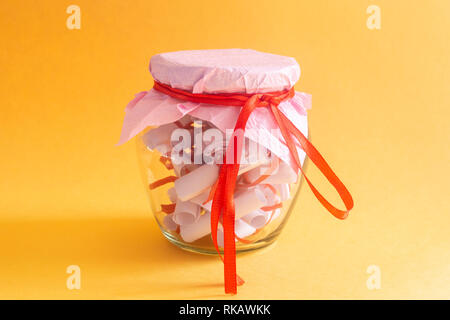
(159, 138)
(183, 169)
(284, 191)
(248, 201)
(196, 182)
(257, 219)
(186, 212)
(284, 174)
(197, 230)
(243, 168)
(271, 197)
(169, 223)
(172, 195)
(243, 203)
(249, 162)
(241, 229)
(201, 198)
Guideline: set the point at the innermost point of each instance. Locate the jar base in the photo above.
(212, 251)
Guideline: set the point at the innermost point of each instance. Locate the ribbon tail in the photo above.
(219, 205)
(229, 235)
(287, 128)
(216, 209)
(230, 170)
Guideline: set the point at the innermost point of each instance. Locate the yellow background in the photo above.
(380, 114)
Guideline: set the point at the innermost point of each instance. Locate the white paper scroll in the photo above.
(248, 201)
(257, 219)
(271, 196)
(243, 168)
(241, 229)
(196, 182)
(244, 202)
(197, 230)
(201, 198)
(169, 223)
(186, 213)
(251, 161)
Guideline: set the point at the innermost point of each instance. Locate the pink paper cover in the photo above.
(213, 71)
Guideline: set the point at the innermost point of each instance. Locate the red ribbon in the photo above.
(223, 199)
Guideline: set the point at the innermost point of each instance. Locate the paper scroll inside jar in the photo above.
(258, 200)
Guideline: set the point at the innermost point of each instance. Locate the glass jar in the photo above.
(205, 106)
(266, 191)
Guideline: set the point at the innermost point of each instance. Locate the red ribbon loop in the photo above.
(223, 199)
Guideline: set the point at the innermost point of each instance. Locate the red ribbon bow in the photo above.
(223, 199)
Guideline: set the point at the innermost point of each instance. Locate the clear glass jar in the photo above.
(263, 204)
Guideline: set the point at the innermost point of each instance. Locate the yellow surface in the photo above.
(69, 196)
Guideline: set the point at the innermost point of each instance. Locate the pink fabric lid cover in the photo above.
(225, 71)
(153, 108)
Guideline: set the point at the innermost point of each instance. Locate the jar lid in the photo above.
(225, 71)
